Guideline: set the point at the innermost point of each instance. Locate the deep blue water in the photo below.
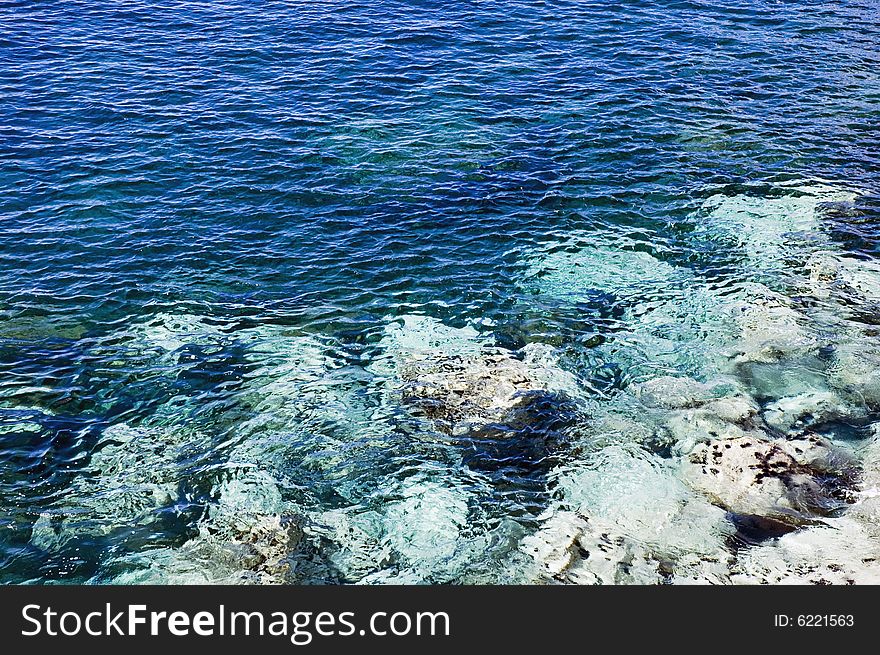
(321, 166)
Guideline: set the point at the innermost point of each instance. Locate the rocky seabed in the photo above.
(726, 456)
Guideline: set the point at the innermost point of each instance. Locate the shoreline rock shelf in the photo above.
(750, 429)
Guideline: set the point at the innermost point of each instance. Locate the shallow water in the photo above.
(228, 229)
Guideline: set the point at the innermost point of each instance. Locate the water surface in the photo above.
(211, 213)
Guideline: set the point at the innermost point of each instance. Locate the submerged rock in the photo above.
(246, 536)
(723, 418)
(797, 413)
(620, 514)
(252, 525)
(788, 481)
(425, 526)
(658, 318)
(132, 474)
(840, 550)
(865, 511)
(770, 328)
(459, 381)
(847, 298)
(588, 265)
(847, 280)
(459, 394)
(798, 363)
(771, 227)
(666, 319)
(691, 427)
(259, 556)
(414, 337)
(170, 332)
(672, 392)
(637, 497)
(424, 531)
(738, 409)
(572, 549)
(855, 373)
(696, 412)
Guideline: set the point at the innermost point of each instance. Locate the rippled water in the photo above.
(224, 227)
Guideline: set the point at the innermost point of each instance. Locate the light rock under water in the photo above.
(784, 480)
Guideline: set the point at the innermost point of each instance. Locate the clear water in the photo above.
(213, 216)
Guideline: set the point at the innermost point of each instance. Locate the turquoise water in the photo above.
(224, 227)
